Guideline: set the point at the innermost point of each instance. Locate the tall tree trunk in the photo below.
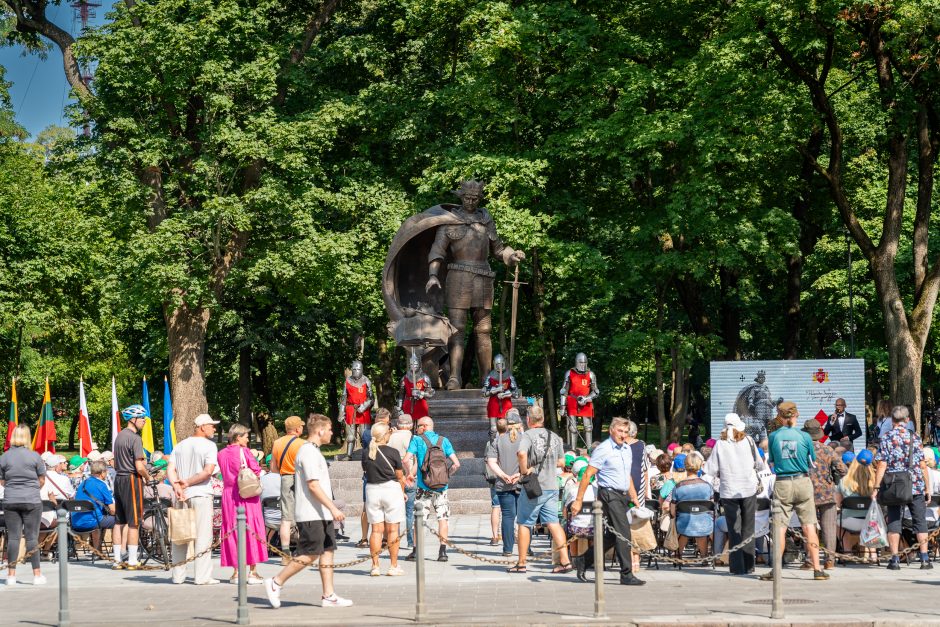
(259, 381)
(385, 382)
(72, 429)
(332, 397)
(660, 383)
(186, 341)
(548, 347)
(730, 312)
(245, 415)
(680, 396)
(809, 236)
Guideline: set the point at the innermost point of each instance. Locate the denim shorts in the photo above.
(494, 500)
(542, 510)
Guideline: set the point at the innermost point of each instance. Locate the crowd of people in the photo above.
(689, 502)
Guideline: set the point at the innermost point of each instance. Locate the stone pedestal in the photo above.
(460, 415)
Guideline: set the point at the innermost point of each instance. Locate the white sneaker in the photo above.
(334, 600)
(208, 582)
(11, 581)
(375, 572)
(273, 591)
(396, 571)
(39, 580)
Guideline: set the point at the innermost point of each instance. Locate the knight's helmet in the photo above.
(499, 363)
(356, 369)
(414, 364)
(580, 362)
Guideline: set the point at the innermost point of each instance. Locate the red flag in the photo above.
(84, 426)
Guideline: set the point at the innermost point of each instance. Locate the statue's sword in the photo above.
(515, 307)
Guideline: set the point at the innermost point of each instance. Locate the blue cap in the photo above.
(847, 457)
(865, 457)
(679, 462)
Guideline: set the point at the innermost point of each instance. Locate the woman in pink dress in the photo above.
(231, 459)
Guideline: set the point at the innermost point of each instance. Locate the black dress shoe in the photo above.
(411, 556)
(631, 580)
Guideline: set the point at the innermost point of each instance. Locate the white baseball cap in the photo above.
(107, 455)
(54, 460)
(94, 456)
(204, 419)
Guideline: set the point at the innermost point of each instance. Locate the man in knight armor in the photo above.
(414, 390)
(355, 404)
(499, 386)
(577, 399)
(468, 288)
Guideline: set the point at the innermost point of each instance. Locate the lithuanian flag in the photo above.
(45, 437)
(14, 416)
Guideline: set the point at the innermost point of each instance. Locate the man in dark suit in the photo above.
(842, 424)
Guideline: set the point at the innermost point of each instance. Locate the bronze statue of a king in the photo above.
(458, 241)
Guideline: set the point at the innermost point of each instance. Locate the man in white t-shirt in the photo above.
(314, 513)
(189, 469)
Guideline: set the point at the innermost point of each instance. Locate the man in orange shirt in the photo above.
(283, 454)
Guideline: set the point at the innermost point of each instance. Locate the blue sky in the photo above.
(38, 90)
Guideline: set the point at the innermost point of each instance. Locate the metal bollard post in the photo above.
(778, 535)
(242, 616)
(600, 611)
(64, 618)
(420, 606)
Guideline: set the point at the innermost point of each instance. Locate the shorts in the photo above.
(385, 502)
(853, 525)
(436, 500)
(542, 510)
(494, 498)
(128, 500)
(287, 498)
(918, 511)
(106, 522)
(315, 537)
(794, 495)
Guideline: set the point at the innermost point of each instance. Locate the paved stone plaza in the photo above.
(469, 592)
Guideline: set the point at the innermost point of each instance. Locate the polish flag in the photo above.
(115, 414)
(84, 426)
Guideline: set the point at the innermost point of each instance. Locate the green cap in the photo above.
(160, 464)
(267, 460)
(569, 458)
(76, 461)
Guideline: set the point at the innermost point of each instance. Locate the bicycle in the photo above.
(155, 540)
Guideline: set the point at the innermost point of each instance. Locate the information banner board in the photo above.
(752, 390)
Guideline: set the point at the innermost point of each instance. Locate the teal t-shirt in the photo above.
(791, 451)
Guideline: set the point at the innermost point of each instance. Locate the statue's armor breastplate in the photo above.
(469, 243)
(579, 384)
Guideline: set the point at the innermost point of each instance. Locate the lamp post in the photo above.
(848, 250)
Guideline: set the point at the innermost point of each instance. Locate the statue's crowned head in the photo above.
(580, 362)
(356, 369)
(470, 193)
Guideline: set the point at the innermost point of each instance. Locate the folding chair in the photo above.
(764, 505)
(49, 506)
(272, 502)
(74, 507)
(859, 505)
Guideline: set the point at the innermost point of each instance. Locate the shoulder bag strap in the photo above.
(241, 454)
(390, 465)
(56, 486)
(284, 453)
(910, 455)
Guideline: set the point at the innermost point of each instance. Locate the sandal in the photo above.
(518, 568)
(362, 544)
(561, 569)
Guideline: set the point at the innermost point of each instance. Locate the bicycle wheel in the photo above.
(155, 540)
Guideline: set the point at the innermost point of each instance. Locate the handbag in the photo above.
(182, 524)
(530, 482)
(671, 543)
(249, 484)
(896, 487)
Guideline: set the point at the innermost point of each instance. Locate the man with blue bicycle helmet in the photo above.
(131, 468)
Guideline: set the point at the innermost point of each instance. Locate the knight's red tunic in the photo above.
(357, 395)
(416, 407)
(497, 407)
(579, 384)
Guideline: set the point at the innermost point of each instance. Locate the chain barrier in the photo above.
(23, 559)
(658, 555)
(289, 557)
(109, 559)
(847, 557)
(488, 560)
